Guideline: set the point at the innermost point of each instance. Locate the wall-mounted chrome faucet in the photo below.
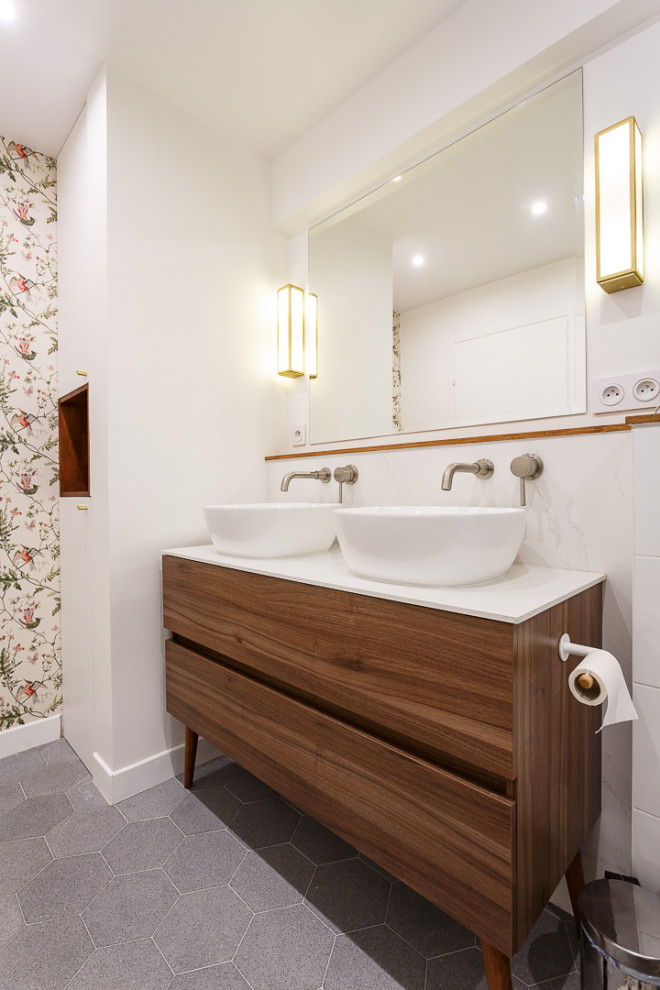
(483, 468)
(323, 476)
(345, 476)
(527, 467)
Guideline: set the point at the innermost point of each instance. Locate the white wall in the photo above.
(180, 363)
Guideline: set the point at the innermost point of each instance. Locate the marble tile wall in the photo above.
(646, 655)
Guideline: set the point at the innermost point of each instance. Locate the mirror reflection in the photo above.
(454, 295)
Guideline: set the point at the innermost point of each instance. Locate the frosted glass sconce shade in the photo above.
(290, 331)
(312, 333)
(619, 207)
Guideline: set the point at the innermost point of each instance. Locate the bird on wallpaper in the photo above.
(19, 284)
(22, 421)
(20, 151)
(21, 212)
(25, 556)
(29, 689)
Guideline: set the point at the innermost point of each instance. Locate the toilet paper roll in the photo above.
(608, 683)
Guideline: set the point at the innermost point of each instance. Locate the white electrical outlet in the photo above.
(299, 435)
(625, 392)
(612, 394)
(646, 389)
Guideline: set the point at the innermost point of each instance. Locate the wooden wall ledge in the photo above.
(630, 421)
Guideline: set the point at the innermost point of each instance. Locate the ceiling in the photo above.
(260, 71)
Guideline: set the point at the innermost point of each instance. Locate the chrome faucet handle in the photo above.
(346, 476)
(527, 467)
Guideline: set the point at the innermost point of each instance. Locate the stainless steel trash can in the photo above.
(619, 936)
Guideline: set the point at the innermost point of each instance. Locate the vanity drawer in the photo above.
(437, 682)
(447, 838)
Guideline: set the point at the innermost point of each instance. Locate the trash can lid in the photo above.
(623, 921)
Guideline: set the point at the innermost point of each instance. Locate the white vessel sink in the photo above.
(271, 529)
(433, 545)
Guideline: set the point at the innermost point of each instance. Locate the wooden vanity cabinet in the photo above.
(446, 747)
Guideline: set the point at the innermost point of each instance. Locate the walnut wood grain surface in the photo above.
(73, 424)
(557, 752)
(437, 681)
(449, 839)
(460, 441)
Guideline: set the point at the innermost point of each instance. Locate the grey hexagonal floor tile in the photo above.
(45, 956)
(20, 766)
(348, 895)
(464, 969)
(85, 832)
(547, 952)
(207, 859)
(142, 845)
(58, 751)
(11, 795)
(11, 917)
(35, 816)
(20, 861)
(203, 929)
(286, 949)
(376, 959)
(156, 802)
(65, 886)
(55, 779)
(130, 965)
(85, 796)
(130, 907)
(319, 844)
(249, 788)
(569, 982)
(265, 823)
(424, 926)
(214, 773)
(274, 877)
(225, 977)
(205, 810)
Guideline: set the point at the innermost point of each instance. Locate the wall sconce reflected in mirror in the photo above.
(312, 333)
(619, 207)
(290, 331)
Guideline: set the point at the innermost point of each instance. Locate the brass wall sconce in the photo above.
(619, 207)
(297, 332)
(290, 331)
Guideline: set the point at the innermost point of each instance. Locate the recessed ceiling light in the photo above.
(397, 178)
(539, 207)
(417, 260)
(8, 11)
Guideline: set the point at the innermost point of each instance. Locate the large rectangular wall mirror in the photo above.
(454, 295)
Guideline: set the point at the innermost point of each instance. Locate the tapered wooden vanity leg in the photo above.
(497, 966)
(575, 883)
(189, 754)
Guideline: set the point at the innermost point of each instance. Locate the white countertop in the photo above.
(522, 592)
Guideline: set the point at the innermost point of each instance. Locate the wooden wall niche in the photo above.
(73, 409)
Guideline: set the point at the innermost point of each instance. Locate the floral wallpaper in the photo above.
(30, 657)
(396, 372)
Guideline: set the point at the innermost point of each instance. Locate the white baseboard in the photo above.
(37, 733)
(117, 785)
